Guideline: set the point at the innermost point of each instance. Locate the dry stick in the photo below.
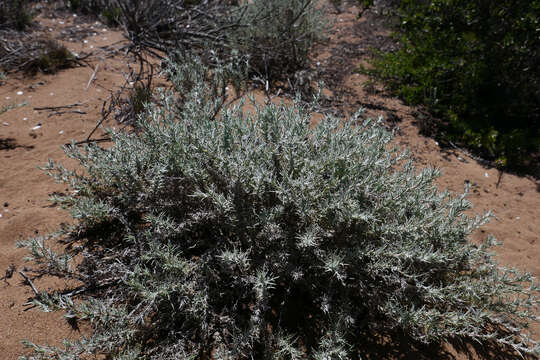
(29, 282)
(67, 112)
(92, 77)
(104, 115)
(59, 107)
(88, 141)
(501, 173)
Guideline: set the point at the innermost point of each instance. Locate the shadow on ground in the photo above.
(11, 144)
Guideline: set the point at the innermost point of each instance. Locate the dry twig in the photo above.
(28, 281)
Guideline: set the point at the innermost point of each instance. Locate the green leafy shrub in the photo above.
(107, 10)
(258, 236)
(54, 56)
(475, 64)
(15, 15)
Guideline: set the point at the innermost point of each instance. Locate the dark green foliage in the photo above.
(258, 237)
(139, 96)
(53, 57)
(107, 10)
(15, 15)
(475, 64)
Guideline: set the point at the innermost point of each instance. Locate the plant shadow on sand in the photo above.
(11, 144)
(396, 345)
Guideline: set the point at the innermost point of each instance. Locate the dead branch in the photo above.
(56, 113)
(92, 77)
(28, 281)
(59, 107)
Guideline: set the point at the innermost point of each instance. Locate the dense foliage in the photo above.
(256, 236)
(14, 14)
(476, 64)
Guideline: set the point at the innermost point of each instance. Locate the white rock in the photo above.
(486, 175)
(19, 93)
(61, 132)
(5, 123)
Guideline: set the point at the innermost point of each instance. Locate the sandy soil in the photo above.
(28, 137)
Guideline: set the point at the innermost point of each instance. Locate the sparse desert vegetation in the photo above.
(224, 207)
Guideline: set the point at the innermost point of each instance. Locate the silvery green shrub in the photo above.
(256, 236)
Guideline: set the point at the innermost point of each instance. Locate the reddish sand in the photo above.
(24, 189)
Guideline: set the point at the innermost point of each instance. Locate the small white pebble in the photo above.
(75, 15)
(25, 119)
(52, 94)
(104, 30)
(70, 39)
(19, 93)
(61, 22)
(0, 215)
(105, 38)
(85, 41)
(91, 46)
(78, 26)
(50, 29)
(61, 132)
(7, 210)
(5, 123)
(486, 175)
(517, 218)
(36, 127)
(7, 98)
